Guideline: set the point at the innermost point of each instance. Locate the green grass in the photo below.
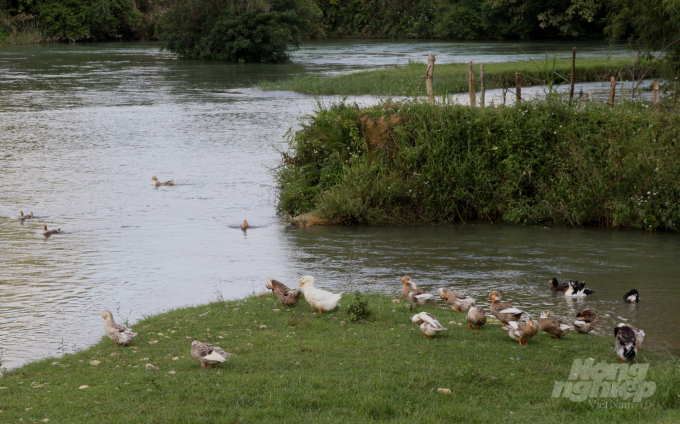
(543, 163)
(305, 367)
(450, 78)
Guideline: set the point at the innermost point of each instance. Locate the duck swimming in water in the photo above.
(557, 286)
(631, 296)
(167, 183)
(245, 225)
(50, 232)
(28, 216)
(577, 289)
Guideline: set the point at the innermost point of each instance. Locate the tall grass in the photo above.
(540, 163)
(27, 32)
(452, 78)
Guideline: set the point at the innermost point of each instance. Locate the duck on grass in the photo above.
(291, 364)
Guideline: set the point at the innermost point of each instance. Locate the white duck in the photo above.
(428, 324)
(577, 289)
(320, 299)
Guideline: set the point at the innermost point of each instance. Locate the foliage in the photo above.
(569, 18)
(236, 30)
(358, 308)
(461, 19)
(306, 367)
(541, 163)
(79, 20)
(650, 28)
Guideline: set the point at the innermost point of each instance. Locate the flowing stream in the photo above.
(83, 128)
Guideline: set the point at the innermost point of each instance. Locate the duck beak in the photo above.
(301, 284)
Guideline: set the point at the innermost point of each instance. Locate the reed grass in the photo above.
(542, 163)
(451, 78)
(306, 367)
(27, 32)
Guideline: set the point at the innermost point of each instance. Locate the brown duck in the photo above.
(553, 325)
(476, 317)
(585, 321)
(27, 216)
(50, 232)
(245, 225)
(458, 302)
(628, 340)
(411, 291)
(504, 312)
(522, 331)
(167, 183)
(557, 286)
(285, 295)
(207, 354)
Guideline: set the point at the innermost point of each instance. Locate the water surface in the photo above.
(84, 128)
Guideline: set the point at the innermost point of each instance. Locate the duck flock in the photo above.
(628, 338)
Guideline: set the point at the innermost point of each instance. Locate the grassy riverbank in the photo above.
(449, 78)
(543, 163)
(323, 368)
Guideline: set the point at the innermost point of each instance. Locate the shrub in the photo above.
(233, 31)
(540, 163)
(358, 309)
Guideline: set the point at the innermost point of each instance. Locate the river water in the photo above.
(83, 128)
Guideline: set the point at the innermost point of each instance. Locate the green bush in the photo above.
(231, 30)
(540, 163)
(358, 309)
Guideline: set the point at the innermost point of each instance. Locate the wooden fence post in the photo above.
(482, 92)
(573, 75)
(471, 83)
(612, 93)
(429, 78)
(518, 87)
(656, 93)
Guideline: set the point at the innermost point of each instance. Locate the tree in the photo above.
(237, 30)
(651, 26)
(569, 18)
